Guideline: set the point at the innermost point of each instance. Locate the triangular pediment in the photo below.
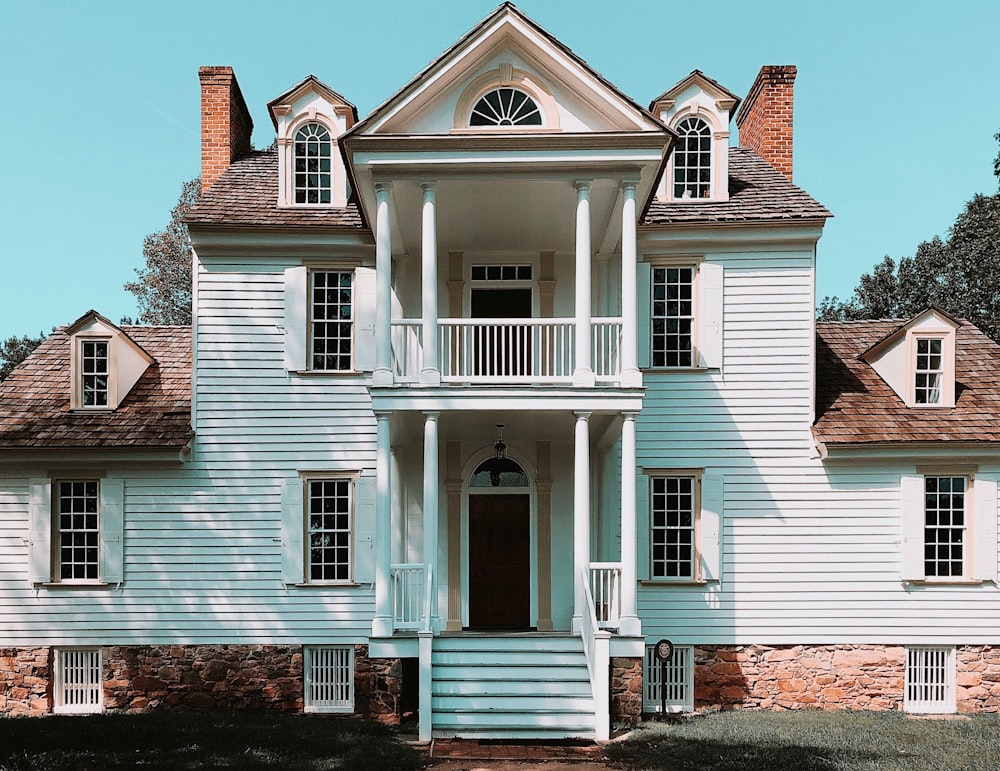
(725, 100)
(314, 94)
(508, 50)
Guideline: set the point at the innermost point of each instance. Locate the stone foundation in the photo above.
(626, 690)
(24, 681)
(378, 687)
(977, 684)
(154, 677)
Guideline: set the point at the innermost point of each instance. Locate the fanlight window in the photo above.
(506, 107)
(499, 472)
(693, 159)
(313, 164)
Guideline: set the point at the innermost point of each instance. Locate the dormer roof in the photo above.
(314, 85)
(931, 313)
(87, 321)
(725, 99)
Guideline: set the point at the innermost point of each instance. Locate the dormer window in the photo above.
(693, 159)
(505, 107)
(313, 164)
(94, 373)
(929, 371)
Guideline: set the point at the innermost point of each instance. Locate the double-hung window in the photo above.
(332, 320)
(928, 370)
(680, 521)
(95, 371)
(313, 176)
(76, 530)
(327, 528)
(949, 523)
(680, 314)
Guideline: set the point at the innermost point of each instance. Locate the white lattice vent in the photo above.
(677, 684)
(77, 681)
(930, 680)
(329, 678)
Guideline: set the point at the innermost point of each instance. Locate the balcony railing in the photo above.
(507, 351)
(407, 581)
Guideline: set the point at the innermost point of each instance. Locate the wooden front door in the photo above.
(499, 562)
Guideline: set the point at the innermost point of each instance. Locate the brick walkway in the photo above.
(471, 749)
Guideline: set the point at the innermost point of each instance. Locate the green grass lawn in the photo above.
(814, 740)
(200, 740)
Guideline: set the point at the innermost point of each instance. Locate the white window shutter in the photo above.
(292, 528)
(642, 527)
(364, 319)
(643, 281)
(296, 316)
(710, 282)
(112, 530)
(39, 530)
(911, 489)
(984, 530)
(364, 530)
(710, 534)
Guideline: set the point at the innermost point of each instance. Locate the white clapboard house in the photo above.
(485, 394)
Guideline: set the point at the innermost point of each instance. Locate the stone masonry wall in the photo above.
(24, 681)
(977, 684)
(152, 677)
(626, 690)
(378, 687)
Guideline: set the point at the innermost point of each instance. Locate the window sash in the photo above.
(312, 174)
(331, 305)
(945, 524)
(672, 316)
(672, 516)
(78, 525)
(95, 372)
(693, 160)
(329, 528)
(929, 371)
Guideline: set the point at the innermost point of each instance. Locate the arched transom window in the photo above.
(499, 472)
(505, 107)
(313, 164)
(693, 159)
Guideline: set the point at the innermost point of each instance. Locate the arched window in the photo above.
(505, 107)
(499, 472)
(693, 159)
(313, 164)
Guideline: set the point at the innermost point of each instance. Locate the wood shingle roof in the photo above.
(854, 406)
(35, 399)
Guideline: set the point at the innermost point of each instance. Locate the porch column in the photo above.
(583, 375)
(543, 484)
(581, 515)
(382, 376)
(453, 484)
(382, 623)
(630, 375)
(629, 623)
(431, 508)
(430, 374)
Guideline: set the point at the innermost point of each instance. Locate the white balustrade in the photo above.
(407, 581)
(506, 351)
(605, 588)
(597, 649)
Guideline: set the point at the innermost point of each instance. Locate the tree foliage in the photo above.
(14, 350)
(163, 286)
(960, 274)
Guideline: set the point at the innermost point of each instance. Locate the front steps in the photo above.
(511, 687)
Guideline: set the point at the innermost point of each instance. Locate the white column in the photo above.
(581, 515)
(629, 619)
(431, 508)
(430, 374)
(382, 623)
(583, 375)
(382, 376)
(631, 376)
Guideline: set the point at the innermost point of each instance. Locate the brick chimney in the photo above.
(226, 124)
(765, 117)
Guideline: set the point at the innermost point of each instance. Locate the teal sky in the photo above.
(896, 105)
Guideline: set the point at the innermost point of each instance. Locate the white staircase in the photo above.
(524, 686)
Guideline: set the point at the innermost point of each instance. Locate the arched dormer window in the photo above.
(505, 107)
(313, 164)
(693, 159)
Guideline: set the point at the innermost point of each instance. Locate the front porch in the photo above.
(474, 538)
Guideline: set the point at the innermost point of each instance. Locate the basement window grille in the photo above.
(78, 688)
(679, 681)
(329, 678)
(930, 680)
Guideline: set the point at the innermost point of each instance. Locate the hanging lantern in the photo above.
(500, 448)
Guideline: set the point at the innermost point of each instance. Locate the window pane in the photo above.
(329, 529)
(672, 527)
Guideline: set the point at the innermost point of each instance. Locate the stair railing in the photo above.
(597, 648)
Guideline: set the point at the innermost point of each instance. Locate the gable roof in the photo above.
(35, 399)
(505, 8)
(854, 406)
(757, 192)
(310, 83)
(894, 335)
(697, 77)
(246, 195)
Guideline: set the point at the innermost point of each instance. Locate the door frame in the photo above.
(471, 465)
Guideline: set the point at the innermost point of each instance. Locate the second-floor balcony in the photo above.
(507, 351)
